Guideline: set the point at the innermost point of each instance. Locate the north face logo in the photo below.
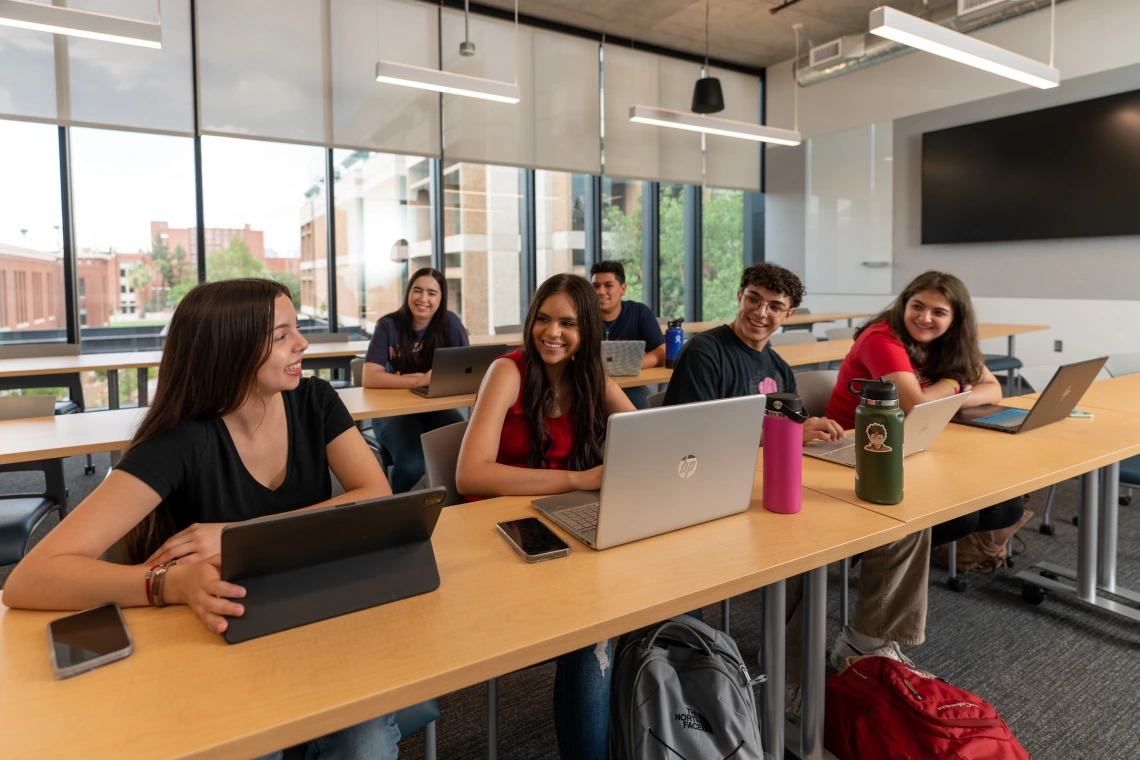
(691, 719)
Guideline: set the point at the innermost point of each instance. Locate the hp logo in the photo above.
(687, 467)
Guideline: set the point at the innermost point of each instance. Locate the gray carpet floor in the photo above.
(1064, 676)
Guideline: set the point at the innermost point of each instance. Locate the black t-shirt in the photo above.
(716, 364)
(197, 471)
(635, 322)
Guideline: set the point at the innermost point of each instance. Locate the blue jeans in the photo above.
(582, 702)
(401, 437)
(639, 396)
(371, 740)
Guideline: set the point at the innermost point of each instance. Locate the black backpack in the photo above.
(681, 691)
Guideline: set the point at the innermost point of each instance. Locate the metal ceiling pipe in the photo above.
(878, 49)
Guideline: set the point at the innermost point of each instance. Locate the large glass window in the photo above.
(722, 226)
(671, 212)
(31, 251)
(265, 217)
(482, 244)
(560, 223)
(383, 235)
(621, 230)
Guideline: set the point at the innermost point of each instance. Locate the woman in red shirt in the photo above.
(926, 342)
(539, 427)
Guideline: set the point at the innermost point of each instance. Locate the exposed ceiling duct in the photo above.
(877, 50)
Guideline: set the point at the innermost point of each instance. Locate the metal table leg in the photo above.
(492, 719)
(725, 612)
(772, 664)
(844, 571)
(112, 389)
(1109, 512)
(1052, 577)
(1012, 379)
(814, 663)
(144, 390)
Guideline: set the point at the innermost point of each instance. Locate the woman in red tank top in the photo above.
(539, 427)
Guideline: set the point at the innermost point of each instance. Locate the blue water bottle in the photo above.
(674, 337)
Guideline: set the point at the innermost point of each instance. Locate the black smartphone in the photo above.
(533, 540)
(88, 639)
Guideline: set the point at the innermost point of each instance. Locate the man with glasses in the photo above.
(736, 360)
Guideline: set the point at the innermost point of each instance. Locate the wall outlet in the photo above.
(1057, 346)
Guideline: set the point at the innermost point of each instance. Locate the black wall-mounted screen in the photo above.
(1064, 172)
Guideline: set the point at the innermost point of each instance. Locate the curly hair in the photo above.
(876, 428)
(776, 279)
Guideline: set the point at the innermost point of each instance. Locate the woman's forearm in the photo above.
(492, 479)
(73, 582)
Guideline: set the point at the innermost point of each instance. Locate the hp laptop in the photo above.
(665, 469)
(622, 358)
(1055, 402)
(922, 426)
(459, 370)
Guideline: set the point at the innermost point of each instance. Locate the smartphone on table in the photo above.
(532, 539)
(86, 640)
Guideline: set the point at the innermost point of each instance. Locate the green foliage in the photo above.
(671, 244)
(234, 261)
(293, 282)
(622, 242)
(723, 252)
(172, 267)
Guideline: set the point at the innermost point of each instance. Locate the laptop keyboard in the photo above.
(582, 519)
(1010, 418)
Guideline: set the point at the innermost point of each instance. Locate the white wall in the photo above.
(1064, 284)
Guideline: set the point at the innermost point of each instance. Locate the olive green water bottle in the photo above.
(878, 442)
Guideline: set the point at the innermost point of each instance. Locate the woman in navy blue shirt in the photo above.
(400, 356)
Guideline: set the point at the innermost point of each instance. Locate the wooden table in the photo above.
(185, 693)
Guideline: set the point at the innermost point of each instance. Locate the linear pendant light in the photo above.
(924, 35)
(95, 26)
(438, 80)
(663, 117)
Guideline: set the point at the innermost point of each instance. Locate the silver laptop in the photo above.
(459, 370)
(922, 426)
(1055, 403)
(622, 358)
(26, 407)
(665, 469)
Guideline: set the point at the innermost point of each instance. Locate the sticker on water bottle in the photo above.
(877, 435)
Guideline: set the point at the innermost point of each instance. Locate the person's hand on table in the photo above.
(588, 480)
(200, 587)
(822, 429)
(194, 544)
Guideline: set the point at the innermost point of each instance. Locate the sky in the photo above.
(125, 180)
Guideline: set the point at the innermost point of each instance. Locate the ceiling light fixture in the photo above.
(75, 23)
(933, 38)
(437, 80)
(707, 95)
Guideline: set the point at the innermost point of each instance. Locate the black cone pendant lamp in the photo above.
(707, 95)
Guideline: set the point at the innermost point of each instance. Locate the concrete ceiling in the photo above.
(744, 32)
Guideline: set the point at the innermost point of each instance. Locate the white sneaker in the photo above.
(793, 701)
(844, 648)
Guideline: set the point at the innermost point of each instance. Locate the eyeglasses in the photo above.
(775, 308)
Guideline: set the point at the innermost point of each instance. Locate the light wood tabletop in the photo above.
(184, 693)
(969, 468)
(988, 330)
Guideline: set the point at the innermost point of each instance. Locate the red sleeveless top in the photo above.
(514, 441)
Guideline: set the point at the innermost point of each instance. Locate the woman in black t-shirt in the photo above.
(234, 433)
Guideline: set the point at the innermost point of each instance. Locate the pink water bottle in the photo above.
(783, 453)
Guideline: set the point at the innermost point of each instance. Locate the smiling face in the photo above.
(555, 331)
(282, 370)
(759, 313)
(423, 299)
(928, 316)
(877, 440)
(610, 293)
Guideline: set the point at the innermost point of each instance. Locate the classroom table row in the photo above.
(494, 613)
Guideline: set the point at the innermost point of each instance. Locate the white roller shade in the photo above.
(643, 151)
(554, 126)
(261, 69)
(369, 114)
(102, 83)
(730, 162)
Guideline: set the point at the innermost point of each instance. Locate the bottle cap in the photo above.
(675, 322)
(875, 390)
(785, 405)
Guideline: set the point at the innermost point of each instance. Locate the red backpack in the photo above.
(882, 709)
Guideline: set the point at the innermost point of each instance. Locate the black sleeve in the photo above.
(694, 377)
(169, 461)
(786, 374)
(333, 411)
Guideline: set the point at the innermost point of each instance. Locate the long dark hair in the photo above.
(585, 377)
(437, 334)
(955, 354)
(219, 337)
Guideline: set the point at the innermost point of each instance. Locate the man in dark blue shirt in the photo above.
(627, 320)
